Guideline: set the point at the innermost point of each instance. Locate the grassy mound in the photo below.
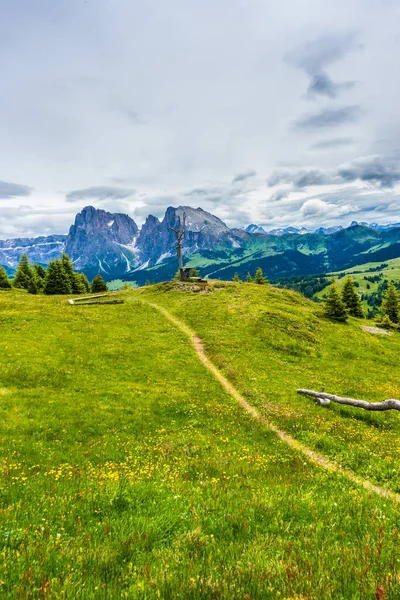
(128, 472)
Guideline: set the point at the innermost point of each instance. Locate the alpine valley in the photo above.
(113, 245)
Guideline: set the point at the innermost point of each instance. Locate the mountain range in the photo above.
(113, 245)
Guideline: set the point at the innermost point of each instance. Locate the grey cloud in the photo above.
(371, 169)
(131, 114)
(319, 54)
(322, 85)
(203, 191)
(101, 193)
(300, 178)
(279, 195)
(324, 51)
(242, 176)
(378, 170)
(329, 117)
(333, 143)
(13, 190)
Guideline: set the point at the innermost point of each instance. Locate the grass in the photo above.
(128, 472)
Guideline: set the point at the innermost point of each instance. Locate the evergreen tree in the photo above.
(34, 285)
(39, 274)
(85, 282)
(195, 272)
(249, 278)
(391, 304)
(78, 286)
(334, 307)
(98, 284)
(351, 298)
(259, 277)
(57, 280)
(24, 273)
(75, 283)
(147, 282)
(236, 277)
(39, 271)
(4, 281)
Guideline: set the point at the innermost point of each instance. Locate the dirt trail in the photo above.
(314, 457)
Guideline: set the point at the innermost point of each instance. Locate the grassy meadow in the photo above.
(128, 472)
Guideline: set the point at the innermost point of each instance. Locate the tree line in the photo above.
(59, 278)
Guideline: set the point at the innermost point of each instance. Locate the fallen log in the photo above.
(324, 399)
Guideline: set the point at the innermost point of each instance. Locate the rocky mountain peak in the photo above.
(95, 240)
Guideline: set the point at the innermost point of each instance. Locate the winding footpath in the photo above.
(314, 457)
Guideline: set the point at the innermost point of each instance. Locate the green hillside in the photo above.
(371, 279)
(285, 256)
(128, 471)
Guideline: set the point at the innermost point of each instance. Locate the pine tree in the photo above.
(76, 286)
(391, 304)
(85, 282)
(351, 298)
(57, 280)
(24, 273)
(5, 283)
(259, 277)
(39, 274)
(39, 271)
(236, 277)
(249, 278)
(98, 284)
(33, 285)
(195, 272)
(334, 307)
(147, 282)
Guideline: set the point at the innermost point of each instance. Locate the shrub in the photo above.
(98, 284)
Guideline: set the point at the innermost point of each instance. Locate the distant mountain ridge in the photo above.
(113, 244)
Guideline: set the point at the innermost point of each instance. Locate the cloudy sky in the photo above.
(278, 113)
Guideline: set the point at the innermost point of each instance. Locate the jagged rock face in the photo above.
(39, 250)
(156, 241)
(103, 242)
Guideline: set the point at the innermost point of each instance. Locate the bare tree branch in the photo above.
(324, 399)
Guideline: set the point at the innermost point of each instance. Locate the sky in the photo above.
(275, 113)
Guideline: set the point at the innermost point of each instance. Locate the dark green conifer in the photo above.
(85, 282)
(24, 273)
(351, 298)
(236, 277)
(334, 307)
(33, 285)
(57, 280)
(39, 273)
(391, 304)
(195, 272)
(249, 278)
(98, 284)
(5, 283)
(259, 277)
